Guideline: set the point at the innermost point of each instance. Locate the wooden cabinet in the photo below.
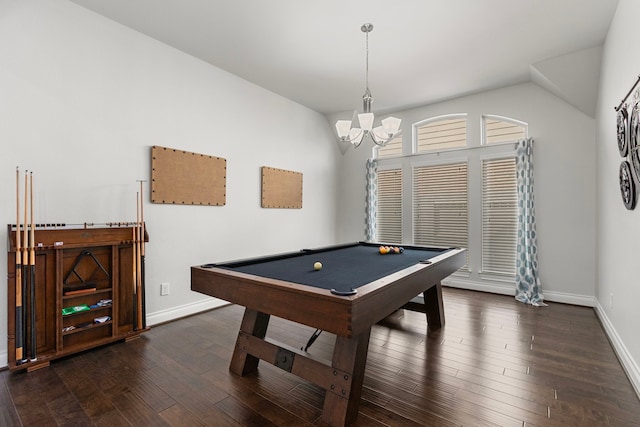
(87, 292)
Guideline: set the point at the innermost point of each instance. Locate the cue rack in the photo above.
(71, 287)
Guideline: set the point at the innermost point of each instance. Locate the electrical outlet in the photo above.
(164, 289)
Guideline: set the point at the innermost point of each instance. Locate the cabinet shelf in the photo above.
(91, 310)
(96, 292)
(87, 328)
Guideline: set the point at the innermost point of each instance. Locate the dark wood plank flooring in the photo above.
(495, 363)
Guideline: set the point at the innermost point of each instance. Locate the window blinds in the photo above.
(496, 131)
(499, 216)
(442, 135)
(440, 205)
(389, 210)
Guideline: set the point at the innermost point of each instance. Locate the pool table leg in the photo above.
(253, 323)
(434, 307)
(349, 355)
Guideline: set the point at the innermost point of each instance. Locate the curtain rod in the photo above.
(627, 95)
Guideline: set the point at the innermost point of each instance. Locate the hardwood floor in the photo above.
(496, 362)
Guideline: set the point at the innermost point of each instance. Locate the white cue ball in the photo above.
(317, 266)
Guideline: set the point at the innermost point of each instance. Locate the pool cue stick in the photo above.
(142, 251)
(25, 265)
(32, 278)
(134, 282)
(138, 262)
(18, 284)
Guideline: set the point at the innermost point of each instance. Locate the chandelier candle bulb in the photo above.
(343, 127)
(391, 125)
(355, 136)
(366, 121)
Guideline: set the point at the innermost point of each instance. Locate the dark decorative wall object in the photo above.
(628, 137)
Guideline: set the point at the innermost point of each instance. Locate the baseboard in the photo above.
(626, 360)
(4, 359)
(509, 289)
(575, 299)
(462, 283)
(174, 313)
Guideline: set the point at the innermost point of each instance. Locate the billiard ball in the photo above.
(317, 266)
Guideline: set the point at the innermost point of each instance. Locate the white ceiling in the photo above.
(420, 51)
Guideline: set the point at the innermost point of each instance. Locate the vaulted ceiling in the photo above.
(420, 51)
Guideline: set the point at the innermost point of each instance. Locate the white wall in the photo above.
(618, 237)
(82, 100)
(564, 156)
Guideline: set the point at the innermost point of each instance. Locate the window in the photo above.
(501, 129)
(460, 189)
(441, 133)
(499, 216)
(392, 148)
(440, 205)
(389, 210)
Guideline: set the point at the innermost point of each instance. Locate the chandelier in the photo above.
(380, 135)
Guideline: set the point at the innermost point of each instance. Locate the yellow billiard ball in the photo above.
(317, 266)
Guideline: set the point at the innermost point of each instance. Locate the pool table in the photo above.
(356, 287)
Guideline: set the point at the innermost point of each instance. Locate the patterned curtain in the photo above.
(371, 200)
(528, 288)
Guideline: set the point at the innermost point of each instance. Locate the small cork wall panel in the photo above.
(281, 188)
(184, 178)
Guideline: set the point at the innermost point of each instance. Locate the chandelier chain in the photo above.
(367, 61)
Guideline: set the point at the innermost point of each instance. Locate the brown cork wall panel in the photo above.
(281, 188)
(184, 178)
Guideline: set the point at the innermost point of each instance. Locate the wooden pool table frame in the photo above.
(350, 318)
